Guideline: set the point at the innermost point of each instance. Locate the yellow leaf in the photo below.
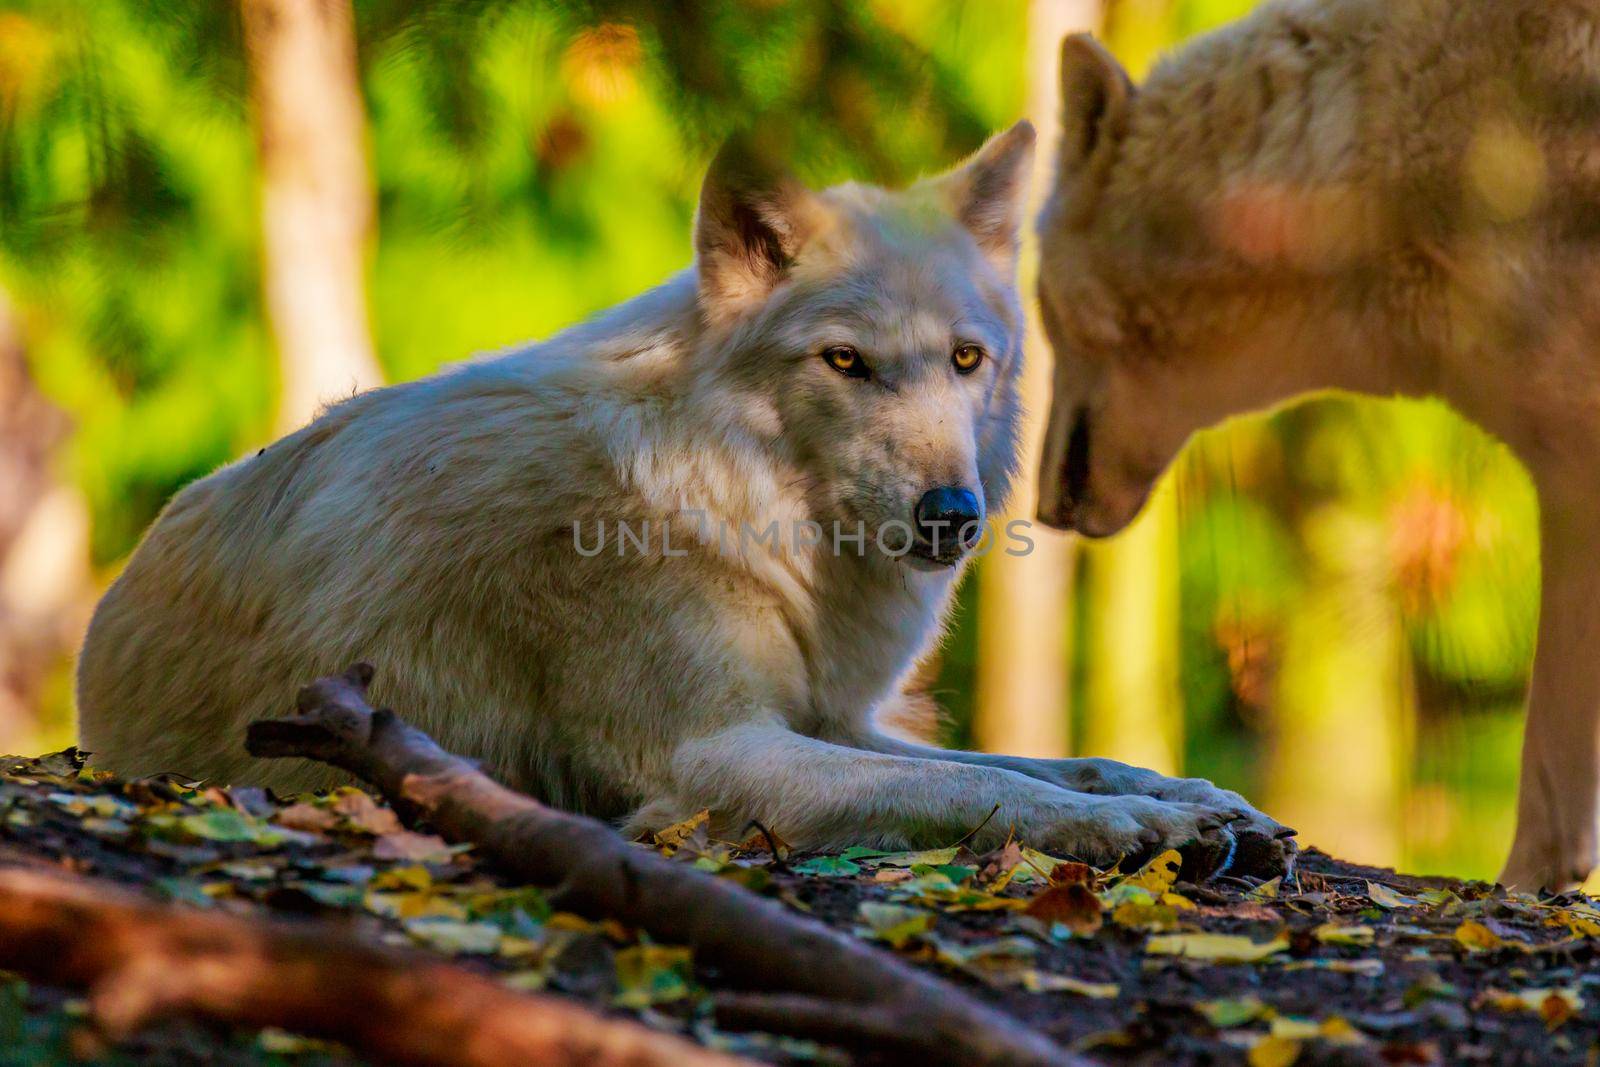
(1476, 937)
(1335, 1029)
(1583, 922)
(1227, 1014)
(405, 877)
(1344, 934)
(512, 947)
(1274, 1052)
(671, 838)
(933, 857)
(1266, 890)
(1294, 1028)
(1340, 1031)
(894, 924)
(1220, 948)
(1389, 899)
(414, 905)
(1036, 866)
(1045, 982)
(1159, 874)
(1554, 1005)
(1137, 916)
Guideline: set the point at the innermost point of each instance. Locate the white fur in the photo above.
(1389, 196)
(428, 529)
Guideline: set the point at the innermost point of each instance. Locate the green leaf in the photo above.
(893, 924)
(222, 824)
(456, 938)
(653, 974)
(829, 866)
(860, 852)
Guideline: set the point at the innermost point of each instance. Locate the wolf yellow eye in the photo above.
(847, 361)
(967, 358)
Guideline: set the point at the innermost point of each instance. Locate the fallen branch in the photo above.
(863, 1027)
(142, 962)
(753, 942)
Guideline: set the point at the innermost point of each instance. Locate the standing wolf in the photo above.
(1387, 196)
(651, 566)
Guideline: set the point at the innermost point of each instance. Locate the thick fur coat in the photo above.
(830, 359)
(1384, 196)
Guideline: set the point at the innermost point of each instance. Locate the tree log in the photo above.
(142, 962)
(753, 942)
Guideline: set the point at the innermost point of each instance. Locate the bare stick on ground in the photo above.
(142, 963)
(753, 942)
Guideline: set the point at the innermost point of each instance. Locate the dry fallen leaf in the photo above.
(1046, 982)
(1072, 905)
(365, 814)
(1219, 948)
(412, 847)
(894, 924)
(670, 838)
(1070, 873)
(307, 817)
(1554, 1005)
(1231, 1012)
(1476, 937)
(1344, 934)
(1159, 874)
(1389, 899)
(1273, 1052)
(1137, 915)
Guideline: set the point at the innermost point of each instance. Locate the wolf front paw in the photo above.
(1106, 830)
(1105, 777)
(1131, 830)
(1251, 821)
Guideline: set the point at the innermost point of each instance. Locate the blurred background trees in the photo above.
(1330, 608)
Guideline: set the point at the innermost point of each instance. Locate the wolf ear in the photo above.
(752, 221)
(988, 194)
(1096, 98)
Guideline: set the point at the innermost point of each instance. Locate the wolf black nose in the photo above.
(947, 517)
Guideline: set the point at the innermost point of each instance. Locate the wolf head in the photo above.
(1201, 253)
(874, 338)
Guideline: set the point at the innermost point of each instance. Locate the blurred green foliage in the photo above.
(538, 161)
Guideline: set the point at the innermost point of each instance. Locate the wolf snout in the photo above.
(949, 519)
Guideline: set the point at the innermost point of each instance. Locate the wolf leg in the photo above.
(1555, 843)
(1098, 777)
(817, 794)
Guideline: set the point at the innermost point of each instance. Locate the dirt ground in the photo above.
(1333, 964)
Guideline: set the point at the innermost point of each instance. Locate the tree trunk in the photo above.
(45, 586)
(316, 199)
(1024, 663)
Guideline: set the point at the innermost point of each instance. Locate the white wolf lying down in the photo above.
(849, 356)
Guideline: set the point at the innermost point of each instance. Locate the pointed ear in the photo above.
(753, 220)
(1096, 99)
(988, 194)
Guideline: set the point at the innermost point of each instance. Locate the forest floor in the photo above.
(1334, 964)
